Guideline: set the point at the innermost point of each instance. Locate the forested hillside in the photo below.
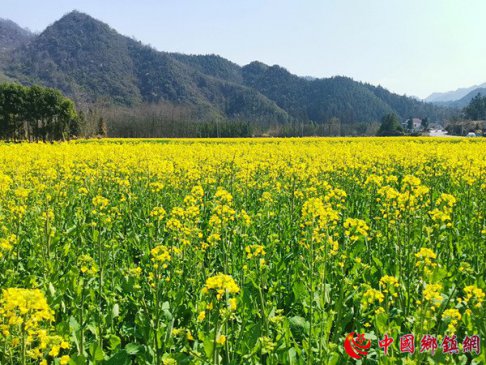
(93, 64)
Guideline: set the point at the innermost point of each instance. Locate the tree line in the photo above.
(169, 120)
(473, 118)
(476, 110)
(36, 113)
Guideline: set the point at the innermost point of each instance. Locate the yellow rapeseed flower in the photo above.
(221, 284)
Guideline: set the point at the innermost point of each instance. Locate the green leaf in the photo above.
(300, 292)
(96, 352)
(120, 358)
(209, 346)
(333, 359)
(133, 348)
(96, 234)
(74, 329)
(70, 230)
(298, 326)
(292, 356)
(377, 261)
(52, 290)
(166, 311)
(78, 360)
(116, 310)
(66, 248)
(114, 342)
(74, 324)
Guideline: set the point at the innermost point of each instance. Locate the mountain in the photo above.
(92, 63)
(320, 100)
(12, 35)
(89, 61)
(464, 101)
(451, 96)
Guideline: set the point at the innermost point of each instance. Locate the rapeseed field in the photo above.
(243, 251)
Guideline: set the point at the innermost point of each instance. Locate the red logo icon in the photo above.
(356, 345)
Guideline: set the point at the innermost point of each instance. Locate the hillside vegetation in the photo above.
(93, 64)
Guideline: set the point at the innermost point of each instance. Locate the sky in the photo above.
(412, 47)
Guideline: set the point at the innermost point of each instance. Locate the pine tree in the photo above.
(102, 128)
(476, 110)
(390, 126)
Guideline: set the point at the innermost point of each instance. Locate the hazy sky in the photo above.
(411, 47)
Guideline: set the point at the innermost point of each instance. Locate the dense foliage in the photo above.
(89, 61)
(390, 126)
(476, 110)
(12, 36)
(319, 100)
(251, 251)
(35, 113)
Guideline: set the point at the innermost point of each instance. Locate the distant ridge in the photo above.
(451, 96)
(12, 35)
(90, 62)
(464, 101)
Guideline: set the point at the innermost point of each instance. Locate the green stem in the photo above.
(311, 296)
(262, 302)
(157, 318)
(215, 344)
(81, 321)
(23, 346)
(100, 290)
